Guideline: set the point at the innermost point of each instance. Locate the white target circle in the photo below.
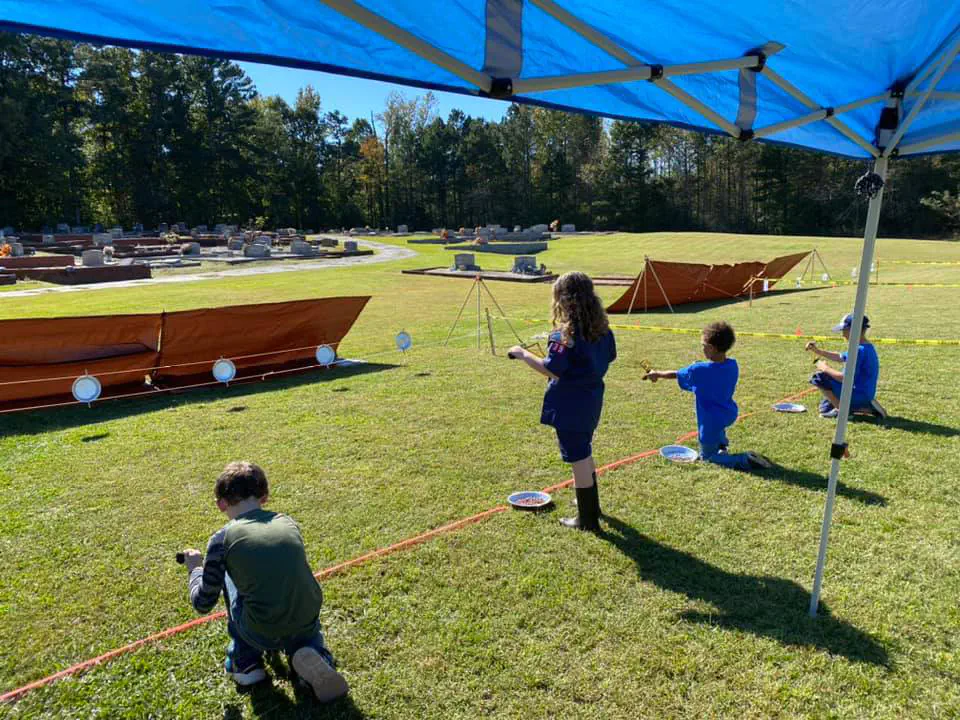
(325, 355)
(224, 370)
(404, 341)
(86, 389)
(825, 277)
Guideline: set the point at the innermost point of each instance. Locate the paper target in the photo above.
(86, 389)
(224, 370)
(325, 355)
(404, 341)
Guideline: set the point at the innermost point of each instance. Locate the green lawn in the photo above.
(692, 603)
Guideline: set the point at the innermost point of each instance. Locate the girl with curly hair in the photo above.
(580, 349)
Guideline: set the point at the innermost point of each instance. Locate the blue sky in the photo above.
(355, 97)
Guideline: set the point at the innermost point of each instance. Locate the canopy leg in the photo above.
(839, 442)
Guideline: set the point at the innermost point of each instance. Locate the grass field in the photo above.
(691, 603)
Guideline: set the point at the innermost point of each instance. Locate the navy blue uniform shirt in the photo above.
(574, 400)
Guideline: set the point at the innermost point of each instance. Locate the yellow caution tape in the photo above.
(778, 336)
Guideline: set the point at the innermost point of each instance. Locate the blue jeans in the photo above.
(716, 453)
(247, 647)
(825, 382)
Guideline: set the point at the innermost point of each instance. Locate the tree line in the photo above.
(102, 134)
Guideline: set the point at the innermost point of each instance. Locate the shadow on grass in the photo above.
(35, 422)
(908, 425)
(762, 605)
(816, 481)
(268, 700)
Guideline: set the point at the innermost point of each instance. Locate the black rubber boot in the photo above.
(599, 511)
(588, 510)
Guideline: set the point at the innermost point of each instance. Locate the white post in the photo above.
(863, 285)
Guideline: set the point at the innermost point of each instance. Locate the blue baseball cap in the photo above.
(848, 321)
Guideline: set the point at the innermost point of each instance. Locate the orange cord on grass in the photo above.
(14, 695)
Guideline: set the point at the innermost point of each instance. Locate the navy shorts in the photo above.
(574, 446)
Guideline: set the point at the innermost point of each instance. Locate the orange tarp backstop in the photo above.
(41, 358)
(674, 283)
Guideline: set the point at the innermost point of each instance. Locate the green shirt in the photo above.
(264, 554)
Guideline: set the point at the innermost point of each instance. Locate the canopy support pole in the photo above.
(409, 41)
(838, 450)
(905, 125)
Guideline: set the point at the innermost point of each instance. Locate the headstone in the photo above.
(92, 258)
(329, 242)
(525, 265)
(235, 244)
(47, 240)
(63, 228)
(263, 240)
(568, 228)
(256, 250)
(100, 239)
(98, 228)
(300, 247)
(190, 248)
(349, 245)
(138, 228)
(16, 249)
(163, 229)
(517, 228)
(402, 229)
(465, 261)
(116, 232)
(541, 228)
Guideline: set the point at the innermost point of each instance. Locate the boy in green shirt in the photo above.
(273, 599)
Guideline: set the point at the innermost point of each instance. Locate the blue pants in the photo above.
(716, 453)
(825, 382)
(246, 647)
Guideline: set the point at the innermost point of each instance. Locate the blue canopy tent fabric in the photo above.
(859, 79)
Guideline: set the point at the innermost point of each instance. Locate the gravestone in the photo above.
(101, 239)
(465, 261)
(47, 240)
(263, 240)
(63, 228)
(163, 229)
(568, 228)
(349, 245)
(190, 248)
(116, 232)
(329, 242)
(525, 265)
(16, 249)
(92, 258)
(256, 250)
(235, 244)
(402, 229)
(300, 247)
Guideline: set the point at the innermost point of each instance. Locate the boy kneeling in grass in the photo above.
(830, 380)
(273, 600)
(713, 383)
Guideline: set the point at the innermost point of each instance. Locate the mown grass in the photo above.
(692, 603)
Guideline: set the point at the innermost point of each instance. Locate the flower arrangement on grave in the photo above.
(6, 250)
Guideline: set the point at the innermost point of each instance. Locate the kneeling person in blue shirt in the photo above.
(713, 383)
(273, 599)
(830, 380)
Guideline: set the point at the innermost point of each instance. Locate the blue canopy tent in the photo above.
(868, 80)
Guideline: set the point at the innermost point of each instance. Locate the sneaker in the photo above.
(878, 410)
(326, 682)
(251, 676)
(825, 406)
(831, 413)
(758, 460)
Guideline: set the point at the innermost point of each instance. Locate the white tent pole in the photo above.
(931, 142)
(607, 45)
(905, 125)
(381, 26)
(631, 74)
(846, 395)
(939, 95)
(838, 125)
(821, 114)
(929, 66)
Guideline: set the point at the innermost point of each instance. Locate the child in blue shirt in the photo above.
(713, 383)
(830, 380)
(578, 354)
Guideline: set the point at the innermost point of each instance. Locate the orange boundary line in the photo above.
(14, 695)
